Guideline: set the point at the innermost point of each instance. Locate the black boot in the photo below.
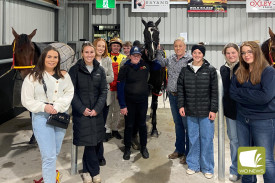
(116, 135)
(144, 152)
(108, 136)
(32, 140)
(127, 153)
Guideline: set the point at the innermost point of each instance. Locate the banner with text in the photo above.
(260, 6)
(207, 6)
(150, 5)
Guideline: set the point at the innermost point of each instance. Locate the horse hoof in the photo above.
(154, 133)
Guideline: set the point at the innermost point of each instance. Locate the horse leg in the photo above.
(154, 106)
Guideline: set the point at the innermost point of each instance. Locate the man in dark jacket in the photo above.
(133, 93)
(198, 100)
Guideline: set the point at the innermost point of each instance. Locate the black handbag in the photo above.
(60, 120)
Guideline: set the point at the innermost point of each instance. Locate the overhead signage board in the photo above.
(212, 6)
(260, 6)
(105, 4)
(150, 5)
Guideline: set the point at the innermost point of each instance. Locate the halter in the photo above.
(270, 56)
(13, 61)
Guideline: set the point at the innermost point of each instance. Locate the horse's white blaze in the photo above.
(151, 32)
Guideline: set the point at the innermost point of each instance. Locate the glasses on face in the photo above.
(249, 52)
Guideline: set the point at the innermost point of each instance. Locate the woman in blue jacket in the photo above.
(253, 88)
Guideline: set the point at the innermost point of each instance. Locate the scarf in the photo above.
(231, 66)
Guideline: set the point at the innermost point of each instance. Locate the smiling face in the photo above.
(126, 50)
(88, 55)
(51, 60)
(197, 56)
(115, 48)
(179, 48)
(247, 54)
(100, 48)
(231, 55)
(135, 58)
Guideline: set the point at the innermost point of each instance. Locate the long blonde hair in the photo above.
(259, 64)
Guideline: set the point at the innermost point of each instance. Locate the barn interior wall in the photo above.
(24, 17)
(214, 29)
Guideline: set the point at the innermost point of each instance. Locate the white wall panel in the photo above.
(78, 22)
(24, 17)
(1, 21)
(105, 16)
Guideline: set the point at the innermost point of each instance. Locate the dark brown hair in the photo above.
(259, 64)
(39, 69)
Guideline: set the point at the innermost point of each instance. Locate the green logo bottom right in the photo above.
(251, 160)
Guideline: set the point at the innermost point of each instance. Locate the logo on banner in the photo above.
(251, 160)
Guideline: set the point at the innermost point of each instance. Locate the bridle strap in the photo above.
(13, 60)
(270, 56)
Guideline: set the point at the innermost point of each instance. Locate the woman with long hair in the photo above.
(253, 89)
(57, 99)
(101, 55)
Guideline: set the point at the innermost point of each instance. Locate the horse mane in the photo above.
(265, 50)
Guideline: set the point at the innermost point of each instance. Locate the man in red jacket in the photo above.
(114, 110)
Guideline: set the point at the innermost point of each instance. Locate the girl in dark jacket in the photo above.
(231, 53)
(198, 100)
(90, 94)
(253, 88)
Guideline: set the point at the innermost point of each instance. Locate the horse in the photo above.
(268, 48)
(157, 76)
(25, 56)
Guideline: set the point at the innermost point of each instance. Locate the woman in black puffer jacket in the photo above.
(90, 95)
(197, 88)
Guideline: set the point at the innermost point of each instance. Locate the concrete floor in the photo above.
(20, 162)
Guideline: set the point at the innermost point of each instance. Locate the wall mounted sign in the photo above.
(150, 5)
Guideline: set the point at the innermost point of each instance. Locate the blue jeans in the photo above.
(234, 144)
(201, 153)
(260, 133)
(182, 140)
(49, 139)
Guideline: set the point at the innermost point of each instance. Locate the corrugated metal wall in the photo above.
(78, 20)
(1, 21)
(215, 29)
(24, 17)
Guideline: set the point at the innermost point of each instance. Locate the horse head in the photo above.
(24, 51)
(151, 37)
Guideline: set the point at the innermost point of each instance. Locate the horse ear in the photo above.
(32, 34)
(144, 23)
(14, 33)
(272, 35)
(158, 21)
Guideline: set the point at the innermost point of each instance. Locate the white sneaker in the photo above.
(97, 179)
(208, 175)
(87, 178)
(190, 172)
(233, 177)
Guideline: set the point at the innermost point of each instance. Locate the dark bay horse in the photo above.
(25, 56)
(157, 75)
(268, 48)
